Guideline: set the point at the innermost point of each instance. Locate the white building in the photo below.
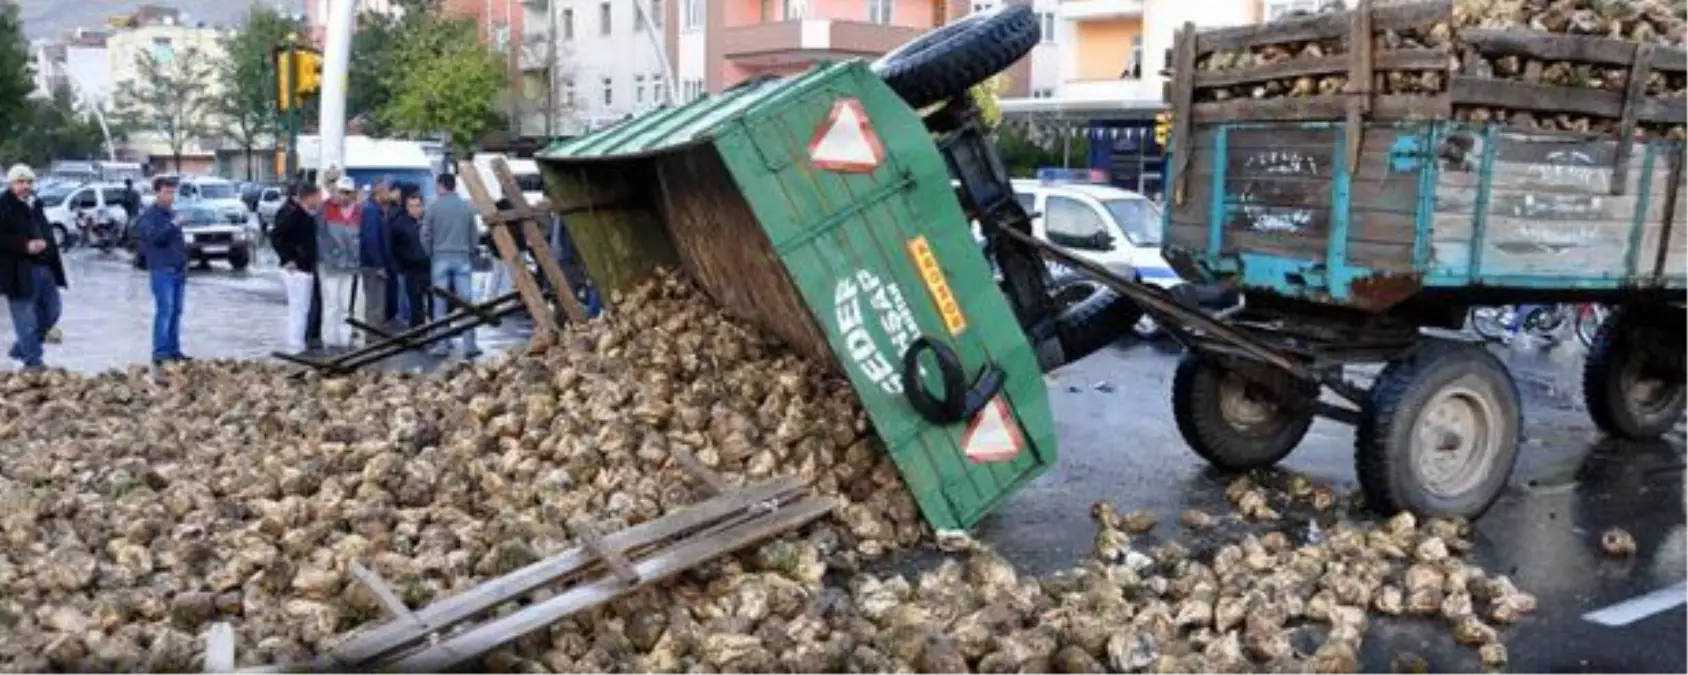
(79, 60)
(590, 63)
(165, 35)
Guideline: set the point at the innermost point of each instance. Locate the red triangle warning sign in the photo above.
(846, 141)
(992, 436)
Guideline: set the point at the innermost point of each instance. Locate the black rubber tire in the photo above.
(1100, 319)
(948, 60)
(1615, 346)
(239, 259)
(1197, 387)
(1383, 439)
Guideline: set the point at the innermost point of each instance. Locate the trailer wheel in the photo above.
(1438, 435)
(950, 59)
(1632, 385)
(1234, 422)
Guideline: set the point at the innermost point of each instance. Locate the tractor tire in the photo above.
(1233, 423)
(1094, 316)
(950, 59)
(1621, 396)
(1438, 435)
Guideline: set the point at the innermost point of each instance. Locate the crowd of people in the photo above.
(371, 258)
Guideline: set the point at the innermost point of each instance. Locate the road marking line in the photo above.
(1638, 608)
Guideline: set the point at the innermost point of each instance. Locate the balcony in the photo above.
(1090, 10)
(785, 43)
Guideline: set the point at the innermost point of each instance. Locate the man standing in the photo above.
(379, 304)
(338, 260)
(166, 253)
(31, 272)
(449, 226)
(294, 238)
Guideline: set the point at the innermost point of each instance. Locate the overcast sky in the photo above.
(46, 18)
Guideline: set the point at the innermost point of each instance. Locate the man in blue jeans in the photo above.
(166, 252)
(449, 231)
(31, 272)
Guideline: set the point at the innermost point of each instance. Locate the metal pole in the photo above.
(292, 111)
(337, 54)
(551, 71)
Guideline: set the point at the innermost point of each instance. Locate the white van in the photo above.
(369, 159)
(1115, 228)
(526, 172)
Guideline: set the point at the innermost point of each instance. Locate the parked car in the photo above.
(209, 234)
(249, 193)
(270, 200)
(61, 202)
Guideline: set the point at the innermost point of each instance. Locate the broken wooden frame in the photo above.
(463, 316)
(528, 218)
(1470, 87)
(601, 569)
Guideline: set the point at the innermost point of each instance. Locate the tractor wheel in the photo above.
(1234, 422)
(950, 59)
(1632, 378)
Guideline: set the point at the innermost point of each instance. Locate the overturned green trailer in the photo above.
(819, 208)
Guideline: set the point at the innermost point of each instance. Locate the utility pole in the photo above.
(337, 55)
(671, 92)
(551, 70)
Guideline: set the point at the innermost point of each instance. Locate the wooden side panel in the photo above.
(1278, 196)
(1671, 235)
(1550, 211)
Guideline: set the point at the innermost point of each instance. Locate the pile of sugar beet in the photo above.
(136, 508)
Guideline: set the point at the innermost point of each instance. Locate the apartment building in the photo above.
(165, 34)
(589, 63)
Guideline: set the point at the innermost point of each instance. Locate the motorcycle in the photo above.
(104, 234)
(1503, 322)
(1589, 317)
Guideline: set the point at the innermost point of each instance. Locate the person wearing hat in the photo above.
(339, 261)
(31, 272)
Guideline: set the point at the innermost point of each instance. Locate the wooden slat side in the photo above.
(1637, 90)
(1380, 257)
(1481, 91)
(1384, 109)
(1665, 246)
(1590, 49)
(1183, 93)
(1400, 59)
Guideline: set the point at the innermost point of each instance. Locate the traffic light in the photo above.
(309, 64)
(1163, 128)
(284, 79)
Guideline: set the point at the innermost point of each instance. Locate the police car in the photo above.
(1117, 229)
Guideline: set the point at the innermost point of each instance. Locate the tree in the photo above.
(244, 111)
(168, 97)
(375, 68)
(16, 82)
(53, 128)
(988, 95)
(447, 82)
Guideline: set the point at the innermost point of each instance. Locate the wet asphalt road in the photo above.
(1121, 446)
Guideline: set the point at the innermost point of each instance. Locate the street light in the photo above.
(99, 115)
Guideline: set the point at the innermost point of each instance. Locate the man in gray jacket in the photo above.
(451, 237)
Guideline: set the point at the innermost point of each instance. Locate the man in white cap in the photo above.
(31, 272)
(339, 260)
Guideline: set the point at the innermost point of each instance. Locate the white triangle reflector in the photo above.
(846, 141)
(992, 436)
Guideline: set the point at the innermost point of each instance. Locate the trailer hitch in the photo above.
(957, 404)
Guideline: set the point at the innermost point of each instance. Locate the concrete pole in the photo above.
(336, 55)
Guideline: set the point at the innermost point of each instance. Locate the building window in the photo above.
(658, 94)
(656, 8)
(609, 92)
(162, 50)
(1046, 25)
(940, 12)
(879, 11)
(568, 93)
(694, 13)
(1276, 9)
(983, 6)
(1134, 69)
(639, 89)
(568, 24)
(604, 18)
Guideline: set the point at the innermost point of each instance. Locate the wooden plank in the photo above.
(389, 601)
(366, 645)
(539, 243)
(1550, 206)
(455, 649)
(1399, 59)
(1492, 92)
(1389, 257)
(1323, 26)
(1530, 247)
(1670, 239)
(1590, 49)
(1638, 73)
(1183, 93)
(1359, 87)
(1311, 108)
(713, 481)
(1565, 178)
(612, 557)
(544, 324)
(1397, 194)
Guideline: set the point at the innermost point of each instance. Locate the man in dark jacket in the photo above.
(409, 255)
(380, 287)
(31, 272)
(295, 241)
(165, 251)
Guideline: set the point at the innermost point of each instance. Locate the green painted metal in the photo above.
(847, 242)
(1485, 192)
